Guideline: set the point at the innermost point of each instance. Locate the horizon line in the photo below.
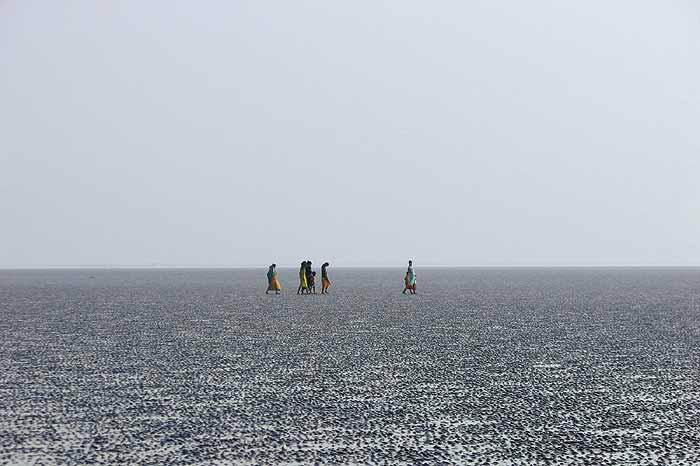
(474, 266)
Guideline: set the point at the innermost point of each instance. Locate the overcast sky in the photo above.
(363, 132)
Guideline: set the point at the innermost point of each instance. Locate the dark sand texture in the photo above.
(490, 366)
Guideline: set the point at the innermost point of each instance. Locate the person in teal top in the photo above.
(410, 280)
(272, 283)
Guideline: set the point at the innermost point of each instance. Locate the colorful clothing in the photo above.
(410, 278)
(273, 283)
(302, 278)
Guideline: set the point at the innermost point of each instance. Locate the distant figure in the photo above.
(272, 283)
(303, 284)
(410, 279)
(309, 276)
(312, 283)
(325, 282)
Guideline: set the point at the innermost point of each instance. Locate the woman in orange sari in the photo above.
(273, 284)
(325, 282)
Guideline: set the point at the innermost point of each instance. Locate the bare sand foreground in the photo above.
(529, 366)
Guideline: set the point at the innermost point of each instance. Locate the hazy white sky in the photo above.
(364, 132)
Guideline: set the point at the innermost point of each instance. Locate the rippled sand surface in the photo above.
(489, 366)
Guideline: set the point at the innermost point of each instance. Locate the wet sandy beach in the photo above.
(483, 366)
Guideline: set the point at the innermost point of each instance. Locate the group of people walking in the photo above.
(307, 279)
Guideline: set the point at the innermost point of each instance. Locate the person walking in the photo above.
(309, 276)
(312, 283)
(273, 283)
(410, 280)
(303, 285)
(325, 282)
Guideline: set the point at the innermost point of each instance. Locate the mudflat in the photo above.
(482, 366)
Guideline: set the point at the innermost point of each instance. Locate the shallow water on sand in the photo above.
(509, 366)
